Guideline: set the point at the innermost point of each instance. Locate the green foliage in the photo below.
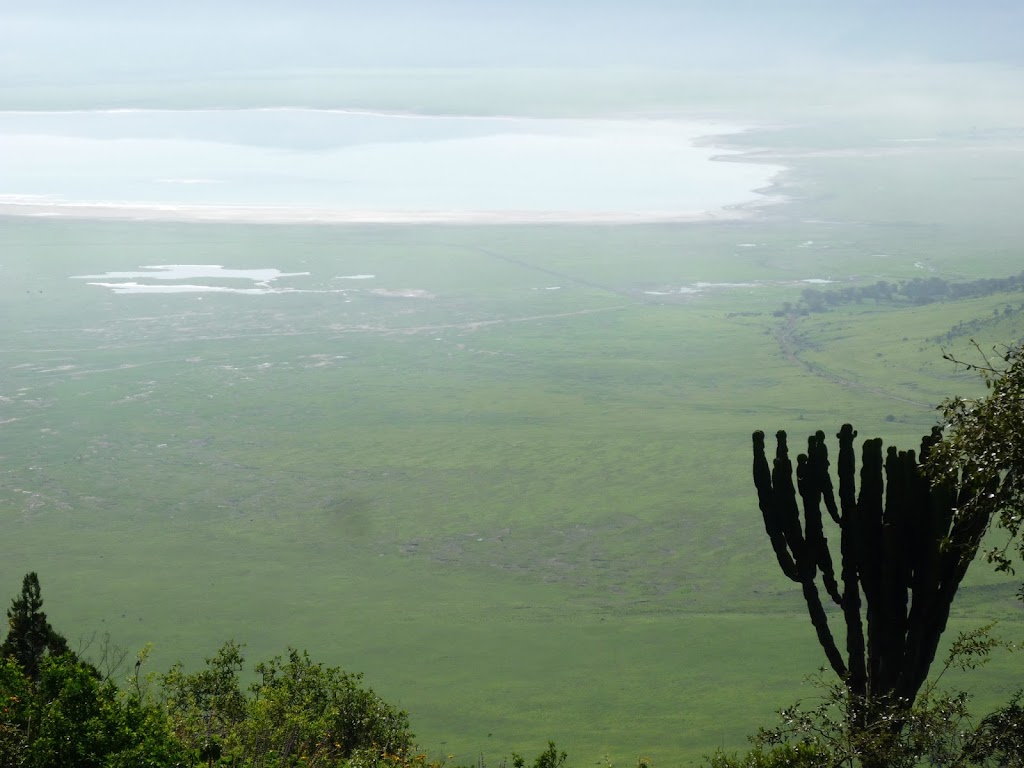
(937, 729)
(1000, 736)
(298, 712)
(549, 758)
(914, 291)
(15, 706)
(30, 636)
(984, 438)
(206, 707)
(69, 717)
(304, 709)
(801, 755)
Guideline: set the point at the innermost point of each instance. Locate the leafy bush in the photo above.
(782, 756)
(298, 712)
(69, 717)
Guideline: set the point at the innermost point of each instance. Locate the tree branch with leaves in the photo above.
(985, 438)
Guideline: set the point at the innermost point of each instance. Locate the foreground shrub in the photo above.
(783, 756)
(68, 716)
(298, 712)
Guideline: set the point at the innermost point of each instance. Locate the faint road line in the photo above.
(787, 342)
(474, 324)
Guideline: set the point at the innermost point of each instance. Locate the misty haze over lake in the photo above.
(356, 164)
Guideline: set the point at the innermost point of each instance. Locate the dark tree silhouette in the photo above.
(904, 550)
(30, 636)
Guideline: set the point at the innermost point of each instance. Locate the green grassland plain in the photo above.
(519, 499)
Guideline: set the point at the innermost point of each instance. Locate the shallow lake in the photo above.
(366, 163)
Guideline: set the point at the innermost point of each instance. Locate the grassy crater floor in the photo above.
(507, 477)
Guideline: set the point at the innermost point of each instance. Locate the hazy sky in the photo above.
(71, 40)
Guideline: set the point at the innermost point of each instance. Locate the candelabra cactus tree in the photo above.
(905, 545)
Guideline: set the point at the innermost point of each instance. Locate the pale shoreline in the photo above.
(712, 135)
(290, 215)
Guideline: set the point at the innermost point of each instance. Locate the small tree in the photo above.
(206, 708)
(905, 544)
(30, 636)
(985, 437)
(302, 709)
(300, 713)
